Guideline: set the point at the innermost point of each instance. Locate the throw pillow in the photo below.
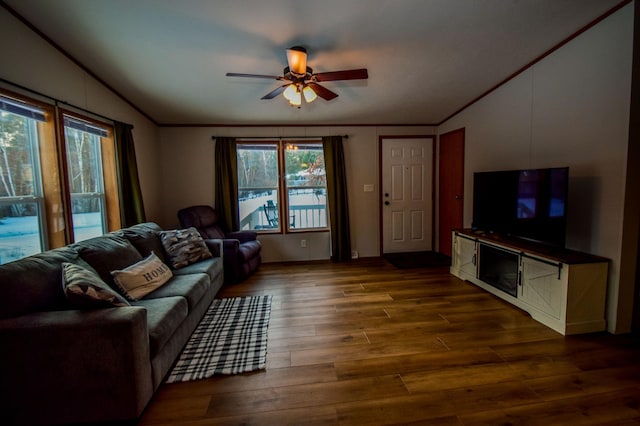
(140, 279)
(107, 253)
(85, 289)
(184, 247)
(144, 237)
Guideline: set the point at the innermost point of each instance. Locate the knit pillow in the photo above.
(140, 279)
(184, 247)
(84, 289)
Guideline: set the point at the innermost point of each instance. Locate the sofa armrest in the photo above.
(215, 246)
(231, 246)
(75, 366)
(242, 236)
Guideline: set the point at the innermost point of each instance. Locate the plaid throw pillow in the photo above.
(184, 247)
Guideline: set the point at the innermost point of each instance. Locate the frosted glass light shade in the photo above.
(309, 94)
(292, 94)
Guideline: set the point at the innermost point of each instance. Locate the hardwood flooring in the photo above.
(364, 343)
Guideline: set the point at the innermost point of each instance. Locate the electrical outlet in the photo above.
(303, 243)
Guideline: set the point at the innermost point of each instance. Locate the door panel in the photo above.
(450, 188)
(407, 194)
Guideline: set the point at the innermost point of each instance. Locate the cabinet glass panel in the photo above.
(499, 268)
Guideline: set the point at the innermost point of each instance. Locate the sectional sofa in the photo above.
(73, 353)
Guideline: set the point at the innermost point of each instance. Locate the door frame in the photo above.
(380, 189)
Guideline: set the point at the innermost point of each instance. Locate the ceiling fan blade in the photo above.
(271, 77)
(275, 92)
(323, 92)
(358, 74)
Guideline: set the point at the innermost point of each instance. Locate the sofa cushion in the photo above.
(212, 267)
(141, 278)
(164, 316)
(34, 283)
(190, 286)
(108, 253)
(145, 238)
(184, 247)
(86, 290)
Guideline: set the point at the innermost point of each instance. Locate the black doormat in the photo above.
(420, 259)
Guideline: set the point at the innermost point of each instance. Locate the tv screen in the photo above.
(528, 204)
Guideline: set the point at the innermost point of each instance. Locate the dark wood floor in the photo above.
(366, 343)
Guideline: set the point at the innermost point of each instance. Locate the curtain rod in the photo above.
(280, 137)
(56, 102)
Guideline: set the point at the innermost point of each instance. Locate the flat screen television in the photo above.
(529, 204)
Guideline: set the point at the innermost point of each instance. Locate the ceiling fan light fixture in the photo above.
(300, 80)
(309, 94)
(297, 58)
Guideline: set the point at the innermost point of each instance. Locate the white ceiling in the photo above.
(426, 58)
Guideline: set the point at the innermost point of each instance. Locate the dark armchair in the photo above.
(241, 255)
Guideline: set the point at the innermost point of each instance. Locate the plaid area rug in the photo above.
(230, 339)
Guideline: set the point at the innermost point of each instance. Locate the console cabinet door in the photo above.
(543, 286)
(464, 256)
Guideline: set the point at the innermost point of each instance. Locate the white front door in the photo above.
(407, 194)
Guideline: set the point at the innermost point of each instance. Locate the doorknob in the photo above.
(386, 194)
(386, 203)
(457, 197)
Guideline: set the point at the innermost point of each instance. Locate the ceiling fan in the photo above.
(302, 82)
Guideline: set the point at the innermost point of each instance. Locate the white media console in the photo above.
(563, 289)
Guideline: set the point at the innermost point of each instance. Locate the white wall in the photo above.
(570, 109)
(187, 158)
(31, 62)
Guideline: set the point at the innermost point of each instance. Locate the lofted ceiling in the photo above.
(426, 59)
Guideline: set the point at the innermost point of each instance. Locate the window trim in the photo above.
(283, 202)
(42, 129)
(111, 218)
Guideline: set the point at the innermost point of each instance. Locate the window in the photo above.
(22, 225)
(85, 177)
(282, 179)
(54, 188)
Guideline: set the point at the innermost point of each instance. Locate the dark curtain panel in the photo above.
(337, 198)
(226, 177)
(131, 205)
